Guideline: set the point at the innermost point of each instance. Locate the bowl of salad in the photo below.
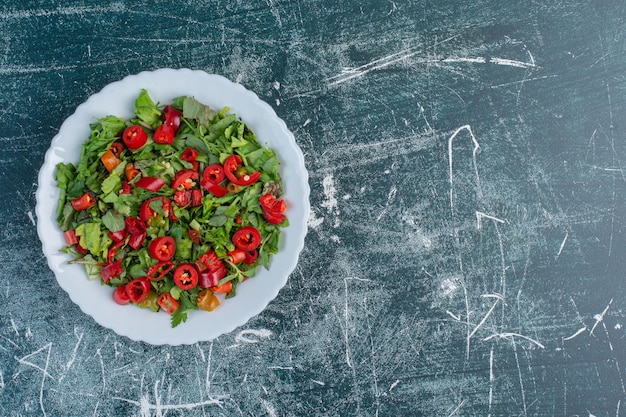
(172, 206)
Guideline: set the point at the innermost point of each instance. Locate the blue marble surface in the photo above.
(465, 245)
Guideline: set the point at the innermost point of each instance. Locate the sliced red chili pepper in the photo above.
(138, 289)
(251, 257)
(168, 303)
(189, 155)
(120, 296)
(196, 198)
(162, 248)
(119, 235)
(182, 198)
(130, 171)
(184, 179)
(237, 256)
(194, 235)
(209, 279)
(111, 270)
(214, 173)
(85, 201)
(164, 135)
(247, 238)
(125, 188)
(146, 212)
(134, 137)
(269, 202)
(215, 189)
(134, 225)
(81, 250)
(209, 261)
(113, 249)
(158, 271)
(224, 288)
(273, 217)
(186, 276)
(136, 240)
(70, 237)
(231, 169)
(171, 117)
(153, 184)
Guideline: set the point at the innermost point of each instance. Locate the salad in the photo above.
(173, 208)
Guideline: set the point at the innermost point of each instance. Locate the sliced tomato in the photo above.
(164, 135)
(109, 160)
(207, 301)
(120, 296)
(186, 276)
(138, 289)
(130, 171)
(247, 238)
(134, 137)
(162, 248)
(70, 237)
(168, 303)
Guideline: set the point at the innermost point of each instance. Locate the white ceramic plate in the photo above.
(253, 296)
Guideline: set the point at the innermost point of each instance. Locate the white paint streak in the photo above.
(578, 333)
(512, 336)
(450, 164)
(330, 193)
(600, 317)
(351, 73)
(562, 246)
(269, 408)
(512, 63)
(479, 325)
(480, 215)
(390, 197)
(43, 370)
(32, 218)
(242, 337)
(314, 222)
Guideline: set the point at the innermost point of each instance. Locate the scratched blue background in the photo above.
(465, 254)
